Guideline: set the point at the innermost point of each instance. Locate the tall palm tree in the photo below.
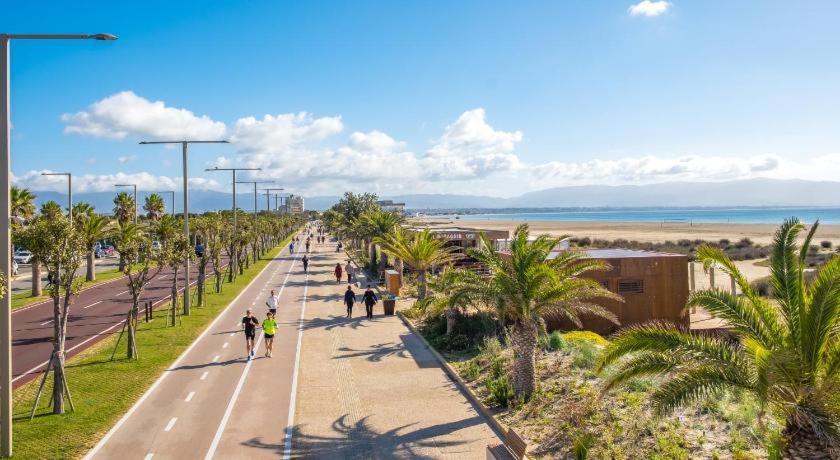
(448, 296)
(787, 353)
(51, 210)
(379, 224)
(94, 227)
(526, 286)
(419, 250)
(154, 206)
(125, 234)
(124, 207)
(22, 210)
(82, 209)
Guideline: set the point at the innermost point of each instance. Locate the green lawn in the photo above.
(103, 390)
(24, 298)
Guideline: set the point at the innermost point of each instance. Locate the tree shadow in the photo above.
(376, 352)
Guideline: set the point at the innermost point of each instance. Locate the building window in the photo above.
(631, 286)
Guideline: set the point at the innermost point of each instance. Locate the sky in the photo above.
(472, 97)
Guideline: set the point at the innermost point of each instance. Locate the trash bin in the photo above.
(389, 304)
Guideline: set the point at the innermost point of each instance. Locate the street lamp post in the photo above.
(268, 197)
(135, 197)
(5, 234)
(171, 192)
(255, 182)
(184, 145)
(69, 191)
(233, 170)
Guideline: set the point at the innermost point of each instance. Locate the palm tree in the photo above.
(154, 206)
(125, 234)
(379, 224)
(447, 296)
(124, 207)
(787, 353)
(526, 286)
(82, 209)
(51, 210)
(22, 210)
(94, 227)
(419, 250)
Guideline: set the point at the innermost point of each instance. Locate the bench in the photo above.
(514, 448)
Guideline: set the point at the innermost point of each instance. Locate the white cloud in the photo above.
(127, 114)
(126, 158)
(649, 8)
(471, 148)
(275, 133)
(105, 182)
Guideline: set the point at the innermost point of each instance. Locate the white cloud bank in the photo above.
(105, 182)
(649, 8)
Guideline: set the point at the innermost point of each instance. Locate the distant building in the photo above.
(390, 206)
(294, 204)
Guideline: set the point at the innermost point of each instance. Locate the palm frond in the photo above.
(738, 313)
(693, 385)
(785, 275)
(821, 316)
(641, 365)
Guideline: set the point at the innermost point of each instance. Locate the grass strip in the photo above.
(25, 299)
(104, 390)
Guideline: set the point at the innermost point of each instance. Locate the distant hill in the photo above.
(753, 192)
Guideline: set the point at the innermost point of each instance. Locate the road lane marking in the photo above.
(46, 322)
(189, 396)
(218, 437)
(148, 456)
(121, 293)
(203, 376)
(95, 303)
(225, 345)
(216, 358)
(232, 334)
(287, 450)
(170, 424)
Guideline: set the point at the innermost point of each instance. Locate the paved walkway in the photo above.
(354, 388)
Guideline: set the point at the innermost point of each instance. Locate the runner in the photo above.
(292, 247)
(369, 298)
(337, 273)
(349, 269)
(269, 326)
(349, 300)
(307, 245)
(271, 303)
(305, 261)
(249, 325)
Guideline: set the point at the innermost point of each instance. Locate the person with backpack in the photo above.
(369, 298)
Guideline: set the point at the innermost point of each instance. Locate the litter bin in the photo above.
(389, 303)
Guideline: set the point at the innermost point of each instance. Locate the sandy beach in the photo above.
(640, 231)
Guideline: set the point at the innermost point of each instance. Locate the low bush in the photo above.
(500, 390)
(471, 370)
(584, 355)
(489, 350)
(497, 367)
(762, 286)
(585, 336)
(556, 342)
(825, 244)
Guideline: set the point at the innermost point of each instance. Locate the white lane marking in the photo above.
(218, 437)
(95, 303)
(232, 334)
(151, 389)
(189, 397)
(170, 424)
(46, 322)
(225, 345)
(148, 456)
(216, 358)
(203, 376)
(121, 293)
(287, 450)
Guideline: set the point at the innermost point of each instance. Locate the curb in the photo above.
(497, 426)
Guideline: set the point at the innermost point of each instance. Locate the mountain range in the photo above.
(741, 193)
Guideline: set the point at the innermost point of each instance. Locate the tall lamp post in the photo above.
(184, 146)
(268, 197)
(171, 192)
(135, 197)
(233, 170)
(69, 191)
(5, 236)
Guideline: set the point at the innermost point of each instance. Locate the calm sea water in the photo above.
(705, 215)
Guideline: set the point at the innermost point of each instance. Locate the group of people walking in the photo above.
(250, 322)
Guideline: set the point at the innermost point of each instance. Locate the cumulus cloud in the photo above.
(127, 114)
(105, 182)
(126, 158)
(471, 148)
(278, 132)
(649, 8)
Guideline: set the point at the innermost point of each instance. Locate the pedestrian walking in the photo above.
(307, 245)
(305, 261)
(269, 326)
(349, 269)
(249, 326)
(292, 247)
(337, 273)
(369, 298)
(271, 303)
(349, 300)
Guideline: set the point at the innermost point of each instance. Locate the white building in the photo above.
(294, 204)
(390, 206)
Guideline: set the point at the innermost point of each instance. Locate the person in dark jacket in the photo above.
(349, 300)
(369, 298)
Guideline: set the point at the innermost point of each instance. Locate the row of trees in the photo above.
(62, 246)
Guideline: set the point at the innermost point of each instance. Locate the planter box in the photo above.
(389, 305)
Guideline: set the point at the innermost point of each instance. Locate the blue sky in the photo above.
(476, 97)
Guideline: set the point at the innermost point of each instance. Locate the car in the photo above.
(22, 256)
(109, 250)
(99, 253)
(199, 250)
(155, 245)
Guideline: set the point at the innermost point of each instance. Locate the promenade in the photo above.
(335, 388)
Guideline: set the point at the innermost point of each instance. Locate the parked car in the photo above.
(14, 268)
(99, 253)
(22, 256)
(109, 250)
(199, 250)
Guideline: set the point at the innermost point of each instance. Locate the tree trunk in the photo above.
(451, 318)
(131, 329)
(421, 281)
(91, 266)
(174, 295)
(202, 270)
(524, 340)
(57, 356)
(802, 442)
(36, 278)
(122, 263)
(231, 266)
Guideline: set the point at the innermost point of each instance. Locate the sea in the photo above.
(762, 215)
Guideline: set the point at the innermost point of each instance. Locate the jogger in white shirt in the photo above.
(271, 303)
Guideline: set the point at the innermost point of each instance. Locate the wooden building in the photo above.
(654, 286)
(463, 238)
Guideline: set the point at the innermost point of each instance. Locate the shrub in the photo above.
(556, 342)
(471, 370)
(825, 244)
(497, 367)
(723, 243)
(584, 355)
(585, 336)
(489, 349)
(501, 391)
(745, 242)
(585, 241)
(762, 286)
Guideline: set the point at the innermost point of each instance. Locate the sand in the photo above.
(640, 231)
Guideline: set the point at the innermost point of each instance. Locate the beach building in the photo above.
(391, 206)
(463, 238)
(294, 204)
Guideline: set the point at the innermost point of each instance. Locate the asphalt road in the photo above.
(23, 281)
(96, 313)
